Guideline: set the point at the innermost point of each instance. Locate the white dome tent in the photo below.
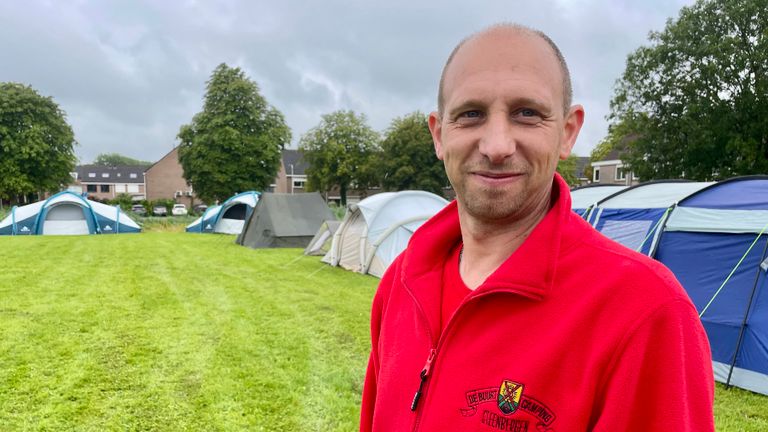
(226, 218)
(375, 230)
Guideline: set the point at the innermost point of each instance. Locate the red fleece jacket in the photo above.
(573, 332)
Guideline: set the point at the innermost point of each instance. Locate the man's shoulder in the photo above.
(611, 264)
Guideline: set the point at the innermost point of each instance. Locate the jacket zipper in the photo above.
(424, 374)
(433, 351)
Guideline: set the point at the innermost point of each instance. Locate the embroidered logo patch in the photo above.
(510, 401)
(509, 396)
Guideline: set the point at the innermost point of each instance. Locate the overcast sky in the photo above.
(130, 73)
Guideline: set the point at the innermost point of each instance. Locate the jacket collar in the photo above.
(529, 271)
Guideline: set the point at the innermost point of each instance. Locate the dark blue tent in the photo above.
(633, 216)
(715, 241)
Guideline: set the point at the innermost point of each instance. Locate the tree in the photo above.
(339, 153)
(407, 159)
(696, 100)
(567, 169)
(36, 143)
(234, 144)
(116, 159)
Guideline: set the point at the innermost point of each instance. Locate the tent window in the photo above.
(104, 188)
(237, 211)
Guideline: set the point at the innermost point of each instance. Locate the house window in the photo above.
(621, 174)
(91, 188)
(118, 174)
(133, 188)
(104, 188)
(133, 175)
(299, 184)
(74, 175)
(92, 175)
(119, 188)
(104, 175)
(596, 175)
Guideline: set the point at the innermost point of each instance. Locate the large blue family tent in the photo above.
(634, 216)
(67, 213)
(584, 198)
(226, 218)
(715, 241)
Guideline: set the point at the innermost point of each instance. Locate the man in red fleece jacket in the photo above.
(508, 312)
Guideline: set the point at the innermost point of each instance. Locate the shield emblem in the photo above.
(509, 396)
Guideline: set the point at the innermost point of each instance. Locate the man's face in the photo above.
(503, 128)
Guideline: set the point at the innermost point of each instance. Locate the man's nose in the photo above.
(498, 141)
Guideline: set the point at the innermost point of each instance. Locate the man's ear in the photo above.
(573, 122)
(435, 128)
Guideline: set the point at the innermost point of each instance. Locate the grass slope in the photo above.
(174, 332)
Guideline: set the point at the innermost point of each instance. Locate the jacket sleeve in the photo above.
(371, 374)
(660, 378)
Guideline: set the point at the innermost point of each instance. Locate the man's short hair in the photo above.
(567, 88)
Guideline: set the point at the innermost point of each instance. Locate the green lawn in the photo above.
(174, 331)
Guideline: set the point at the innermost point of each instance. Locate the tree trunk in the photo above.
(343, 194)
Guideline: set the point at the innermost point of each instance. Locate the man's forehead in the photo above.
(505, 50)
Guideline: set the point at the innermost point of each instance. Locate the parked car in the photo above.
(159, 211)
(139, 209)
(179, 210)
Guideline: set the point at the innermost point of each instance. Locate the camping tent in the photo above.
(284, 220)
(227, 218)
(321, 242)
(715, 242)
(375, 230)
(66, 213)
(633, 216)
(585, 197)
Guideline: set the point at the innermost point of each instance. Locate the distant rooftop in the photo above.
(293, 162)
(105, 174)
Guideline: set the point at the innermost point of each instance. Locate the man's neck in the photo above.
(487, 244)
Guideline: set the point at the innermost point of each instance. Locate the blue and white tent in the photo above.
(715, 241)
(226, 218)
(584, 198)
(67, 213)
(634, 215)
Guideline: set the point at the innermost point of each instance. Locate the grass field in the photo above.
(171, 331)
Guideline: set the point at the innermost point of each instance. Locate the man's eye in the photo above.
(470, 114)
(527, 112)
(528, 116)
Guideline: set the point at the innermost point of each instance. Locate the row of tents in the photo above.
(713, 238)
(711, 235)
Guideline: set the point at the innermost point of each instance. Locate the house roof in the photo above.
(107, 174)
(293, 158)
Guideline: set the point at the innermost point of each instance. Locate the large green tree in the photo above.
(234, 143)
(339, 153)
(567, 169)
(407, 159)
(696, 99)
(36, 143)
(116, 159)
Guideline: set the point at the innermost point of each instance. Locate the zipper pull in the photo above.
(424, 374)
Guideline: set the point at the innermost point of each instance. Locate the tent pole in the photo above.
(746, 315)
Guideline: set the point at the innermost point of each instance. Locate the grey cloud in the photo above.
(129, 74)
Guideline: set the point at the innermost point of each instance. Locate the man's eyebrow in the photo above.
(467, 105)
(518, 102)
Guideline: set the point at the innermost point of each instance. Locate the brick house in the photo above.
(105, 183)
(165, 180)
(292, 177)
(611, 170)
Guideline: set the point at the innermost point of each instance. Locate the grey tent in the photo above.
(284, 220)
(321, 242)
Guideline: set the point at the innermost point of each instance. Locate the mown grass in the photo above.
(164, 331)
